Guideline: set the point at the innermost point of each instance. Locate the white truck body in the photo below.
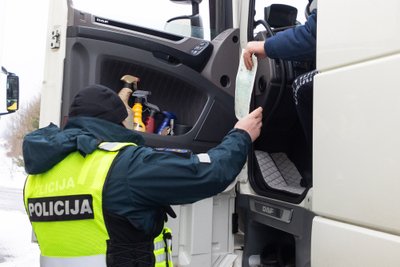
(356, 170)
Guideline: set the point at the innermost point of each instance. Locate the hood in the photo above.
(45, 147)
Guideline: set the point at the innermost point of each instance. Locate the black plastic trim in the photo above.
(135, 28)
(196, 57)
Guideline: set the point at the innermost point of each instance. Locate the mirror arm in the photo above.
(6, 113)
(179, 17)
(195, 8)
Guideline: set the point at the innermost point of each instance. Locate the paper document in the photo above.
(244, 87)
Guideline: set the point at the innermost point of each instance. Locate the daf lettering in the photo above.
(268, 210)
(102, 20)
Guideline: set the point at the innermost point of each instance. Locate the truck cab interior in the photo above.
(280, 165)
(281, 156)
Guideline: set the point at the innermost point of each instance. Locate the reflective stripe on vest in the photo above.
(113, 146)
(163, 248)
(84, 261)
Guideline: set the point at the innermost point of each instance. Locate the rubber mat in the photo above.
(279, 172)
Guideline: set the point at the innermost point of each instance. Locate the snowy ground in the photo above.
(16, 248)
(11, 176)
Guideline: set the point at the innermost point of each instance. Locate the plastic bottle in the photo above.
(137, 109)
(150, 124)
(166, 122)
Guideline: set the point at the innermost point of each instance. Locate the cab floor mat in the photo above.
(279, 172)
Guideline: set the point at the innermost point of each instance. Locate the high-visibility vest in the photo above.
(65, 208)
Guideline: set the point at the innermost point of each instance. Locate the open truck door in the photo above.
(189, 76)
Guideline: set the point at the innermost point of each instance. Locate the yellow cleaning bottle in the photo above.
(137, 109)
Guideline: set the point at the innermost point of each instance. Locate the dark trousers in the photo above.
(303, 99)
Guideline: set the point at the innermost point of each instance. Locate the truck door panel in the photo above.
(178, 71)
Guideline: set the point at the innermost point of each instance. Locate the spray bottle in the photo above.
(149, 122)
(130, 84)
(165, 127)
(137, 110)
(140, 98)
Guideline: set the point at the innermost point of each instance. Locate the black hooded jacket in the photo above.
(142, 181)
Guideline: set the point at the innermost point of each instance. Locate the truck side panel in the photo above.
(356, 129)
(355, 31)
(339, 244)
(356, 161)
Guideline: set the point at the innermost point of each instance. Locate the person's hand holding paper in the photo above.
(244, 87)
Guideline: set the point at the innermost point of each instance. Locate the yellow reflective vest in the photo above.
(65, 208)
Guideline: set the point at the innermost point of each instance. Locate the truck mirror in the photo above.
(195, 20)
(12, 91)
(279, 15)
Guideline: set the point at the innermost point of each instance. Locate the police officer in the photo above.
(97, 197)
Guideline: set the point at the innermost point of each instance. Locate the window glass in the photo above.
(153, 14)
(261, 4)
(299, 4)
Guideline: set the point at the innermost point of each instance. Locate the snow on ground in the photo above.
(15, 241)
(11, 176)
(16, 248)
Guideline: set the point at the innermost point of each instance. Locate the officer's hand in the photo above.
(251, 123)
(256, 48)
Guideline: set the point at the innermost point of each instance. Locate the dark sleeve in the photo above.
(298, 43)
(155, 178)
